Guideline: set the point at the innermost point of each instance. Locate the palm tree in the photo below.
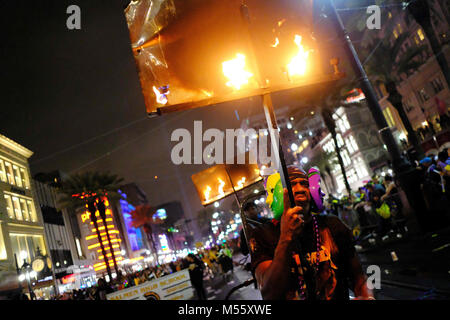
(90, 189)
(143, 216)
(388, 64)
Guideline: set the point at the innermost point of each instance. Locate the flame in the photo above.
(209, 94)
(241, 182)
(235, 72)
(298, 64)
(207, 192)
(160, 97)
(277, 42)
(281, 22)
(222, 184)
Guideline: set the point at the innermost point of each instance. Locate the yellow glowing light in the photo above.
(108, 248)
(136, 259)
(298, 64)
(235, 71)
(110, 254)
(103, 228)
(207, 93)
(277, 42)
(241, 183)
(160, 98)
(104, 242)
(221, 185)
(207, 192)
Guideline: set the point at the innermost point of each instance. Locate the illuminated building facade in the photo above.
(91, 242)
(21, 222)
(128, 244)
(63, 240)
(134, 239)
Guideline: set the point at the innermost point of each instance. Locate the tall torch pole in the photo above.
(270, 115)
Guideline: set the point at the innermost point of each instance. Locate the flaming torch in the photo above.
(299, 63)
(235, 71)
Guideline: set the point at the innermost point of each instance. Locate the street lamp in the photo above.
(26, 272)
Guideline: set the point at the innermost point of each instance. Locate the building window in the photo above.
(2, 171)
(32, 211)
(25, 246)
(24, 209)
(437, 85)
(17, 211)
(345, 158)
(345, 122)
(352, 177)
(79, 251)
(19, 208)
(353, 143)
(340, 142)
(361, 169)
(17, 179)
(13, 174)
(24, 176)
(3, 255)
(423, 95)
(9, 172)
(9, 206)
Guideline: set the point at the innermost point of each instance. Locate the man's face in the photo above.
(252, 213)
(300, 188)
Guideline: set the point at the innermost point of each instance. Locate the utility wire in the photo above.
(128, 142)
(89, 140)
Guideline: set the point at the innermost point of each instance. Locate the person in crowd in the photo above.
(375, 201)
(302, 256)
(102, 289)
(360, 207)
(225, 261)
(433, 187)
(253, 220)
(196, 268)
(392, 197)
(213, 258)
(173, 266)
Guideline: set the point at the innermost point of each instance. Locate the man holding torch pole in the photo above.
(302, 256)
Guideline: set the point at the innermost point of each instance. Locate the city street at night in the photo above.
(225, 152)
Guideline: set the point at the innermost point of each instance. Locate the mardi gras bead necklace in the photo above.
(316, 267)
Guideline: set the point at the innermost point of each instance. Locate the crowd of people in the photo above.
(378, 202)
(213, 261)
